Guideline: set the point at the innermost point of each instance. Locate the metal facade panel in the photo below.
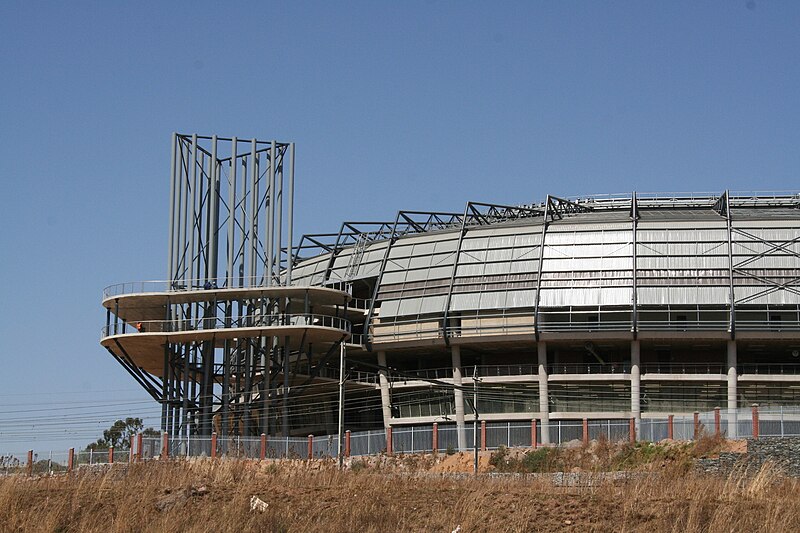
(420, 261)
(400, 263)
(472, 256)
(682, 263)
(465, 302)
(388, 309)
(433, 305)
(776, 297)
(498, 255)
(590, 296)
(393, 277)
(409, 307)
(689, 295)
(527, 240)
(492, 300)
(423, 248)
(675, 233)
(588, 250)
(442, 272)
(594, 264)
(518, 267)
(417, 274)
(560, 226)
(472, 242)
(526, 298)
(497, 268)
(449, 245)
(475, 269)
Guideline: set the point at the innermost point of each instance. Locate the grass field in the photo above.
(207, 495)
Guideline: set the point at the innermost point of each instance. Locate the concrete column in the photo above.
(636, 400)
(544, 398)
(458, 397)
(386, 401)
(732, 390)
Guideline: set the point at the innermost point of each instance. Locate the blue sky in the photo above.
(403, 105)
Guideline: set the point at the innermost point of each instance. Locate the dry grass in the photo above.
(214, 496)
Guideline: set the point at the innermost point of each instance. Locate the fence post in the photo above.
(30, 463)
(534, 443)
(213, 444)
(131, 452)
(111, 455)
(585, 431)
(347, 443)
(435, 440)
(165, 445)
(389, 440)
(696, 425)
(70, 460)
(310, 447)
(670, 425)
(632, 430)
(755, 421)
(483, 435)
(717, 423)
(263, 453)
(138, 446)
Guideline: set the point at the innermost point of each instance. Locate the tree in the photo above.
(121, 434)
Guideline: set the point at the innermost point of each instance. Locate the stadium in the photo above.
(602, 307)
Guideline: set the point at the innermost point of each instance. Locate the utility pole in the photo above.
(339, 452)
(475, 417)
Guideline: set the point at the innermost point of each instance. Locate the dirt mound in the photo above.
(462, 462)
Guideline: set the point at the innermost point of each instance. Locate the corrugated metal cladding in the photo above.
(311, 271)
(594, 297)
(689, 295)
(681, 259)
(766, 260)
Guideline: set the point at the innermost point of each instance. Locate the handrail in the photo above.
(791, 369)
(171, 286)
(247, 321)
(684, 368)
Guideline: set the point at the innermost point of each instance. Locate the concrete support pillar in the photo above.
(732, 390)
(544, 398)
(458, 398)
(636, 397)
(386, 400)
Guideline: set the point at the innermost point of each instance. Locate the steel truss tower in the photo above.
(222, 343)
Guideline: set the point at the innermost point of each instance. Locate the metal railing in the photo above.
(160, 286)
(589, 368)
(248, 321)
(772, 421)
(683, 368)
(791, 369)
